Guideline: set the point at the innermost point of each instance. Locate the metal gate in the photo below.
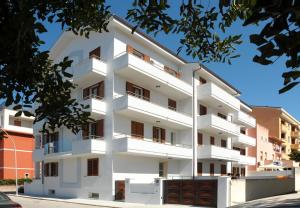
(191, 192)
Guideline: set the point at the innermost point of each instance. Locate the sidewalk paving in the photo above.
(102, 203)
(283, 201)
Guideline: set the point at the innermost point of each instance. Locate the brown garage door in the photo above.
(191, 192)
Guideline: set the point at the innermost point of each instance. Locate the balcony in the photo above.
(214, 96)
(89, 70)
(213, 124)
(97, 106)
(132, 146)
(88, 146)
(150, 76)
(284, 127)
(244, 141)
(295, 134)
(244, 119)
(135, 107)
(52, 151)
(246, 160)
(218, 153)
(295, 146)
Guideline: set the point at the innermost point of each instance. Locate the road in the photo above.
(36, 203)
(283, 201)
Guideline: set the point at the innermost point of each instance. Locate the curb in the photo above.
(62, 200)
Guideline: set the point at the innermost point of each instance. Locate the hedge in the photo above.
(13, 181)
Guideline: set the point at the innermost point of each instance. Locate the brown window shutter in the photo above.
(202, 80)
(95, 166)
(100, 92)
(199, 168)
(172, 104)
(212, 140)
(141, 130)
(223, 169)
(212, 169)
(96, 53)
(129, 49)
(203, 110)
(85, 131)
(129, 87)
(200, 139)
(86, 93)
(133, 129)
(89, 167)
(154, 134)
(223, 143)
(46, 169)
(146, 94)
(163, 135)
(99, 128)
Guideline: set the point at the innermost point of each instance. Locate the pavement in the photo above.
(282, 201)
(47, 202)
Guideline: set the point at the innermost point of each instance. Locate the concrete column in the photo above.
(195, 131)
(224, 193)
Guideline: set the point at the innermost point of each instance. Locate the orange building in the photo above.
(283, 131)
(20, 134)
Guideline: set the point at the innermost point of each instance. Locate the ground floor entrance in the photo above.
(191, 192)
(120, 190)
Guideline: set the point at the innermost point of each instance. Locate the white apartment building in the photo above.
(140, 95)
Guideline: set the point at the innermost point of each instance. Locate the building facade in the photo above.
(283, 132)
(20, 132)
(140, 95)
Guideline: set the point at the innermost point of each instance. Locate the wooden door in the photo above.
(119, 190)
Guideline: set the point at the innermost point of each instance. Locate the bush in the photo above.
(21, 189)
(21, 181)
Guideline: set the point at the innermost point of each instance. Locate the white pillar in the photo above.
(195, 132)
(224, 192)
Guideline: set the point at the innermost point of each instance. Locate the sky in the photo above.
(259, 84)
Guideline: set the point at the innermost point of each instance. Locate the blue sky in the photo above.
(259, 84)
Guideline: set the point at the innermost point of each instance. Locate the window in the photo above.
(137, 91)
(95, 91)
(137, 53)
(223, 169)
(212, 169)
(261, 156)
(243, 151)
(202, 80)
(282, 135)
(243, 171)
(173, 138)
(222, 116)
(51, 169)
(223, 143)
(212, 140)
(200, 138)
(96, 53)
(243, 131)
(17, 122)
(93, 130)
(203, 110)
(172, 104)
(137, 129)
(92, 167)
(199, 168)
(162, 169)
(159, 134)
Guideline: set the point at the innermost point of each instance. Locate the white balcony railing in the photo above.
(89, 145)
(97, 106)
(216, 125)
(135, 146)
(88, 70)
(136, 107)
(215, 96)
(244, 119)
(246, 160)
(244, 140)
(130, 66)
(22, 129)
(216, 152)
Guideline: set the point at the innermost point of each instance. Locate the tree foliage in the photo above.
(295, 155)
(28, 76)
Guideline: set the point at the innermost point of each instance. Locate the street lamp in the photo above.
(15, 159)
(194, 115)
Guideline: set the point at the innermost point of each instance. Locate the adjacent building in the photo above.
(140, 95)
(18, 131)
(284, 135)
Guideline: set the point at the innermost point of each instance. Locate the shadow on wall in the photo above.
(271, 202)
